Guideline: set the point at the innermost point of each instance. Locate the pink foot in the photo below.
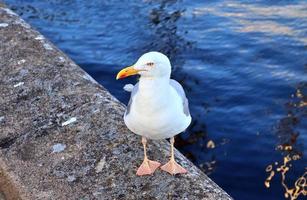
(173, 168)
(147, 167)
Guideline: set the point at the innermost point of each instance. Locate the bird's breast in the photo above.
(157, 113)
(156, 110)
(156, 101)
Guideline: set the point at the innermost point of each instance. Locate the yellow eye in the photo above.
(151, 64)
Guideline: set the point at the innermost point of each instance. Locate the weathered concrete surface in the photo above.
(62, 134)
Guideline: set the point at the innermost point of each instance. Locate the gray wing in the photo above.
(181, 93)
(134, 91)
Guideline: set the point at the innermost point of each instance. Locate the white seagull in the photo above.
(158, 107)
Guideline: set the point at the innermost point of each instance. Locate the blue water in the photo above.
(242, 64)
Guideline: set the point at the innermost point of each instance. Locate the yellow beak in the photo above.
(128, 71)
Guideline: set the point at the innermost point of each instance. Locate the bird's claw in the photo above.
(148, 167)
(173, 168)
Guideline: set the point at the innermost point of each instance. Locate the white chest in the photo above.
(156, 112)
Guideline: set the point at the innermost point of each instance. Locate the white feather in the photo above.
(128, 87)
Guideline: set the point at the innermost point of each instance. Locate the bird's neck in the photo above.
(150, 87)
(152, 93)
(146, 83)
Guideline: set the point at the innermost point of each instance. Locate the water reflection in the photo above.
(299, 187)
(165, 38)
(289, 146)
(61, 15)
(254, 18)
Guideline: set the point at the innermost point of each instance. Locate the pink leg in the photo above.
(148, 166)
(172, 166)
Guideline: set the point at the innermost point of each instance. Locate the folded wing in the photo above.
(181, 93)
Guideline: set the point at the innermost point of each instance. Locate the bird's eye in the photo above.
(151, 64)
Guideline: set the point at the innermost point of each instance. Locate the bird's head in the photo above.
(150, 65)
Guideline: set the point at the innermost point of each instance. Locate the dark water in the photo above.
(242, 63)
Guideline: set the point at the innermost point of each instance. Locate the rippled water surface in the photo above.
(242, 63)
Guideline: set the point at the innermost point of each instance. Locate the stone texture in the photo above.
(47, 102)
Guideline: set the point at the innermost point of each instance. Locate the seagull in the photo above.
(158, 108)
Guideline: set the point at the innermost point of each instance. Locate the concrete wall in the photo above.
(62, 134)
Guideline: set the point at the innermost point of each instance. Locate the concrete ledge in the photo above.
(62, 134)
